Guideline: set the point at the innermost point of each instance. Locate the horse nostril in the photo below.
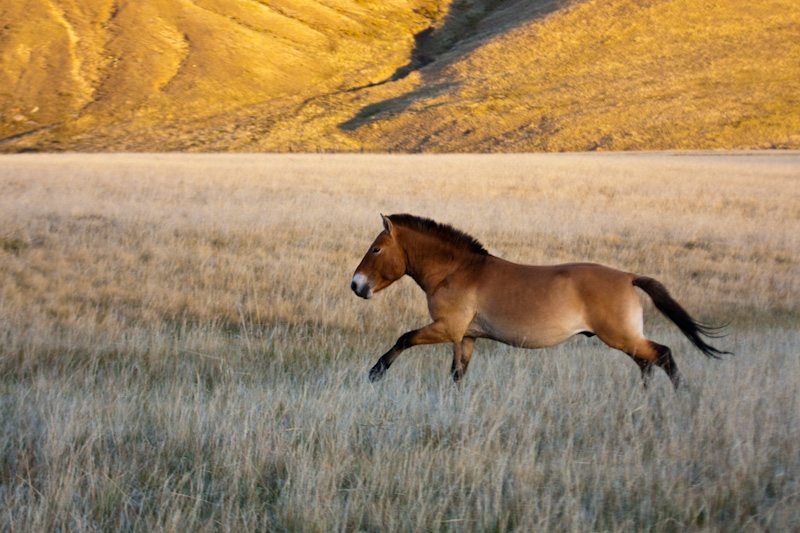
(360, 286)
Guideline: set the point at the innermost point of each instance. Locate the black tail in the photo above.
(672, 310)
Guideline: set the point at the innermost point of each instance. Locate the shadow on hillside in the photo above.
(393, 105)
(467, 24)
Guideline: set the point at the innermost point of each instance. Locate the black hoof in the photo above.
(376, 372)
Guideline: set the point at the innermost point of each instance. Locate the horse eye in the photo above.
(376, 250)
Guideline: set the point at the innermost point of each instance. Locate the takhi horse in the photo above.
(473, 294)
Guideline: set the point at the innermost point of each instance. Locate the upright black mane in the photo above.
(443, 232)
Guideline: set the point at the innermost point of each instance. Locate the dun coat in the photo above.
(473, 294)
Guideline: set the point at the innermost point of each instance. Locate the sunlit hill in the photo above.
(399, 75)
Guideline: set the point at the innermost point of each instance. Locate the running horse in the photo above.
(473, 294)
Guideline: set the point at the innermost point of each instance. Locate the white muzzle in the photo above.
(361, 287)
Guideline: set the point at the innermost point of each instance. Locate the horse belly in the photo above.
(526, 332)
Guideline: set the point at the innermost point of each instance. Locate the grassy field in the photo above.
(181, 351)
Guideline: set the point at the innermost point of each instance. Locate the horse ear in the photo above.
(387, 224)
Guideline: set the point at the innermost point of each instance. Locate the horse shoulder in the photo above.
(457, 284)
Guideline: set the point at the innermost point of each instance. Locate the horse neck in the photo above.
(428, 260)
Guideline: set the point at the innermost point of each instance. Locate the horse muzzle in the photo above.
(361, 287)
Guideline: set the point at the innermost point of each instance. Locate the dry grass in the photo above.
(181, 350)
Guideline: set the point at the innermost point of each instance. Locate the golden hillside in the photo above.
(402, 75)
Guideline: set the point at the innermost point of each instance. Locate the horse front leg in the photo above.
(462, 353)
(431, 334)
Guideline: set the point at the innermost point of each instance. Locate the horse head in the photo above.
(383, 264)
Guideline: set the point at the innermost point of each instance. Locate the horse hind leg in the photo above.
(646, 353)
(647, 369)
(665, 361)
(649, 353)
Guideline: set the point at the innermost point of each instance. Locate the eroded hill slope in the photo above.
(404, 75)
(615, 75)
(84, 68)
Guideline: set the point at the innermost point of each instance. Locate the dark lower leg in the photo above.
(386, 360)
(667, 363)
(430, 334)
(462, 353)
(647, 370)
(457, 368)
